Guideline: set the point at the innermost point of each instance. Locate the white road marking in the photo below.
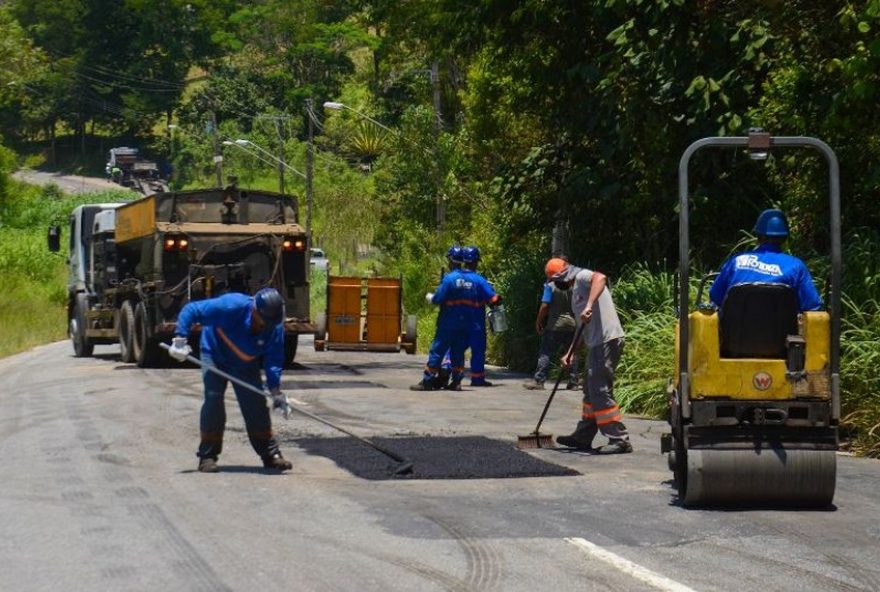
(628, 567)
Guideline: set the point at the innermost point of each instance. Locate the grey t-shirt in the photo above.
(604, 324)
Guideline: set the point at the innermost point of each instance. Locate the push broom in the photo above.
(536, 439)
(404, 467)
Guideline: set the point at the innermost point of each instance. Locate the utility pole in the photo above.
(281, 163)
(438, 127)
(218, 156)
(310, 115)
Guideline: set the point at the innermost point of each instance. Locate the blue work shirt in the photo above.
(226, 334)
(767, 263)
(460, 293)
(485, 294)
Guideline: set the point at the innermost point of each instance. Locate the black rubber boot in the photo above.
(277, 462)
(208, 465)
(579, 441)
(423, 386)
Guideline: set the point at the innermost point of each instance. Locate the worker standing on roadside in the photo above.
(239, 332)
(592, 304)
(556, 325)
(477, 337)
(767, 263)
(457, 295)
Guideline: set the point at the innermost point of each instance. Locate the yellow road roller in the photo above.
(755, 402)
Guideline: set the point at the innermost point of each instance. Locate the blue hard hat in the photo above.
(771, 222)
(470, 254)
(454, 253)
(270, 305)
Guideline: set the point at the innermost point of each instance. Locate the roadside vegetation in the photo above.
(34, 295)
(495, 124)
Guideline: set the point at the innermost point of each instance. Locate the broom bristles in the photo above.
(535, 441)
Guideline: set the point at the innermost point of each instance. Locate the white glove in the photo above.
(279, 401)
(179, 349)
(429, 296)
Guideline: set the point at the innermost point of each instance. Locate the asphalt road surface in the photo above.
(68, 183)
(99, 492)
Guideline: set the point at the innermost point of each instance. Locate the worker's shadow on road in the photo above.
(239, 469)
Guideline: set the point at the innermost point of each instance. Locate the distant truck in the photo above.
(133, 265)
(126, 167)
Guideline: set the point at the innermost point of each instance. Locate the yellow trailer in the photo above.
(365, 314)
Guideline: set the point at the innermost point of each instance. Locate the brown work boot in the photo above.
(572, 385)
(423, 386)
(533, 385)
(208, 465)
(277, 462)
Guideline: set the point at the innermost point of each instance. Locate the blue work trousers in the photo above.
(253, 407)
(553, 344)
(447, 339)
(477, 342)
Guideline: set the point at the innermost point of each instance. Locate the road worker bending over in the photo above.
(238, 331)
(591, 303)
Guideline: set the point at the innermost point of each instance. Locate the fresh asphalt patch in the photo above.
(466, 457)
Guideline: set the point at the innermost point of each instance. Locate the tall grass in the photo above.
(644, 300)
(33, 298)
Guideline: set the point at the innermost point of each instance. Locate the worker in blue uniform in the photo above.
(239, 334)
(767, 263)
(477, 333)
(457, 296)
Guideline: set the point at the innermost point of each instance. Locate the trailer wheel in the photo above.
(320, 331)
(410, 337)
(82, 347)
(145, 347)
(291, 341)
(126, 332)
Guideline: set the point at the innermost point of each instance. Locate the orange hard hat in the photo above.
(554, 266)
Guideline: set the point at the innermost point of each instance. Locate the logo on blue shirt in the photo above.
(751, 262)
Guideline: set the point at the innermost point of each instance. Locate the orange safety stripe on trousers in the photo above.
(609, 415)
(241, 355)
(588, 412)
(430, 370)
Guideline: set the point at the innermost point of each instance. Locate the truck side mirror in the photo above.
(54, 238)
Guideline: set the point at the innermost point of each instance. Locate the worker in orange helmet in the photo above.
(592, 305)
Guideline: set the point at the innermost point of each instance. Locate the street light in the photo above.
(242, 143)
(340, 106)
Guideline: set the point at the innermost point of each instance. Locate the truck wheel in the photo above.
(82, 347)
(291, 341)
(126, 332)
(145, 347)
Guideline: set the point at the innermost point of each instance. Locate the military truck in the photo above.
(133, 265)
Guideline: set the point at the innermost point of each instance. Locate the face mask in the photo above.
(561, 284)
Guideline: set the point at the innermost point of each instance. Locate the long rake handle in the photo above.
(317, 418)
(577, 336)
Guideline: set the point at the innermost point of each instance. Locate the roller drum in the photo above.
(771, 477)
